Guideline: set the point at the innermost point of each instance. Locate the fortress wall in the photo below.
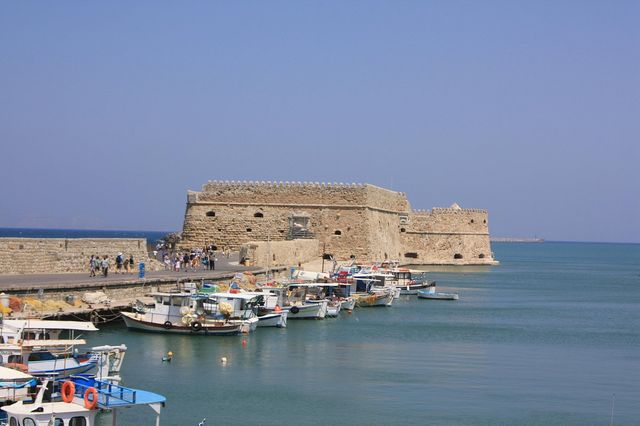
(384, 237)
(280, 253)
(51, 255)
(449, 220)
(386, 199)
(288, 193)
(442, 249)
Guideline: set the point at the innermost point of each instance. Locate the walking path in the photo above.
(225, 268)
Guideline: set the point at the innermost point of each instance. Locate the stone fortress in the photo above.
(360, 221)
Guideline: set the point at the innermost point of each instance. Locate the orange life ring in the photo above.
(90, 404)
(277, 309)
(68, 390)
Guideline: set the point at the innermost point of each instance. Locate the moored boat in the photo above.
(82, 399)
(365, 300)
(433, 295)
(180, 313)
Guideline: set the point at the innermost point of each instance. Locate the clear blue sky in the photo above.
(110, 111)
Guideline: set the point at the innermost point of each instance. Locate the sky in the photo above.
(111, 111)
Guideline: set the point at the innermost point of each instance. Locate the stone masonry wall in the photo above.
(280, 253)
(52, 255)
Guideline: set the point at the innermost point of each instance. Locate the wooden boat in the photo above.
(374, 299)
(182, 313)
(433, 295)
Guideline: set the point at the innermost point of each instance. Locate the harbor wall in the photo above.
(279, 253)
(56, 255)
(360, 221)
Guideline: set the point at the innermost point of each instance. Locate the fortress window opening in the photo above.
(457, 256)
(211, 213)
(411, 255)
(258, 214)
(481, 256)
(337, 232)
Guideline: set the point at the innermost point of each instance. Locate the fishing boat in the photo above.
(177, 313)
(270, 314)
(365, 300)
(292, 298)
(82, 400)
(234, 308)
(433, 295)
(46, 347)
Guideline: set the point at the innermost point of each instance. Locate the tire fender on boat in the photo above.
(90, 404)
(167, 325)
(68, 390)
(294, 310)
(196, 326)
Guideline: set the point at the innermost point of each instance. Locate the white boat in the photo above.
(179, 313)
(412, 289)
(234, 308)
(46, 347)
(14, 385)
(292, 299)
(274, 319)
(347, 304)
(433, 295)
(82, 400)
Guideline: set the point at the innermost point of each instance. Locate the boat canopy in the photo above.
(34, 324)
(11, 374)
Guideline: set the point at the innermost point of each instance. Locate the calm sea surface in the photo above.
(546, 338)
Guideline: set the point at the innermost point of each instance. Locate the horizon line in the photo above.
(544, 240)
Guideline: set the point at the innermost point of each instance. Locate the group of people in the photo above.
(196, 259)
(98, 265)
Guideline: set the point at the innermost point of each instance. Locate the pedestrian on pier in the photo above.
(97, 264)
(131, 264)
(92, 267)
(105, 266)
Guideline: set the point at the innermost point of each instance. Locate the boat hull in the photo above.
(276, 319)
(437, 296)
(376, 299)
(348, 304)
(135, 322)
(308, 311)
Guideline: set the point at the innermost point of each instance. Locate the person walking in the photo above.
(97, 264)
(186, 262)
(119, 263)
(105, 266)
(212, 260)
(131, 264)
(92, 267)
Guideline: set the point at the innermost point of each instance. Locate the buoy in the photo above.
(223, 360)
(168, 357)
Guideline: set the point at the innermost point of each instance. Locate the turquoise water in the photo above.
(546, 338)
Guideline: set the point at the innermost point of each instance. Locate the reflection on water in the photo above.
(537, 340)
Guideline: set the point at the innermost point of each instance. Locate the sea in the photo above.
(551, 336)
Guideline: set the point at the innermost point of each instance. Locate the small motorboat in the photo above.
(433, 295)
